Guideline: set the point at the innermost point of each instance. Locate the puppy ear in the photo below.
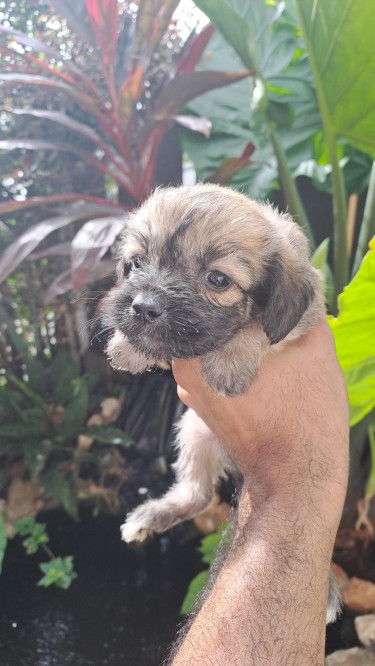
(286, 293)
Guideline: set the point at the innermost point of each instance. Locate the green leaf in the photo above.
(36, 372)
(209, 546)
(3, 540)
(340, 40)
(75, 413)
(25, 526)
(195, 588)
(63, 370)
(319, 261)
(62, 490)
(354, 331)
(109, 435)
(234, 120)
(35, 455)
(58, 571)
(319, 258)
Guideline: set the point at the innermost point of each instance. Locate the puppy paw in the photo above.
(133, 530)
(222, 380)
(140, 523)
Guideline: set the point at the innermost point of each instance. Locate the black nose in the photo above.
(148, 307)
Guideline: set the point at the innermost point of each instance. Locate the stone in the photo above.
(359, 595)
(365, 628)
(110, 409)
(84, 442)
(353, 657)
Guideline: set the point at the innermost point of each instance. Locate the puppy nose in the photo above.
(148, 307)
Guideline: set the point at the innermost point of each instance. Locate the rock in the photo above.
(23, 499)
(84, 442)
(365, 628)
(353, 657)
(359, 595)
(342, 578)
(110, 409)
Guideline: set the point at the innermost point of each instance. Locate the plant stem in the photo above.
(368, 223)
(48, 551)
(292, 196)
(341, 264)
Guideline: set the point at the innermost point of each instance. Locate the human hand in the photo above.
(291, 424)
(288, 435)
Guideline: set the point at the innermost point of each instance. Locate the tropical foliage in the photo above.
(123, 113)
(305, 110)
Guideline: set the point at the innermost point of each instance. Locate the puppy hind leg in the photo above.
(201, 463)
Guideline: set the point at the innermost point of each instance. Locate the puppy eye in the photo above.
(217, 280)
(136, 262)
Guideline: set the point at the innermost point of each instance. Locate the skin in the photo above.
(289, 437)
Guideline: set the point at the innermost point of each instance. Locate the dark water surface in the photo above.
(122, 610)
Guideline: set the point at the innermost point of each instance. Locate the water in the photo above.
(122, 610)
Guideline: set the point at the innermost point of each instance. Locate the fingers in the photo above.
(188, 374)
(190, 383)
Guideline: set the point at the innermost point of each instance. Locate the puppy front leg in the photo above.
(232, 369)
(200, 464)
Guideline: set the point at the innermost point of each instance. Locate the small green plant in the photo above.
(58, 571)
(208, 548)
(46, 436)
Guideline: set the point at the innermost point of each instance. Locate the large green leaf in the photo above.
(195, 588)
(61, 489)
(354, 331)
(291, 96)
(339, 36)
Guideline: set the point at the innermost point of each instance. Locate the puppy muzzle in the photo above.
(147, 308)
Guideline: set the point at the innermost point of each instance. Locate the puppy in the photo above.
(205, 271)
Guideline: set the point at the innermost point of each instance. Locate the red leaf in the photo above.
(40, 144)
(82, 99)
(59, 250)
(62, 119)
(13, 206)
(75, 13)
(36, 45)
(90, 244)
(187, 86)
(231, 165)
(248, 151)
(193, 50)
(30, 239)
(194, 123)
(103, 20)
(63, 282)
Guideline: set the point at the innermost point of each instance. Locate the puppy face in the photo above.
(198, 264)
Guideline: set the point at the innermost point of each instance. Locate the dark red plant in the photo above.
(130, 117)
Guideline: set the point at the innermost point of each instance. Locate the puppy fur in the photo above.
(169, 303)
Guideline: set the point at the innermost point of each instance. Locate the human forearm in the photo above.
(268, 602)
